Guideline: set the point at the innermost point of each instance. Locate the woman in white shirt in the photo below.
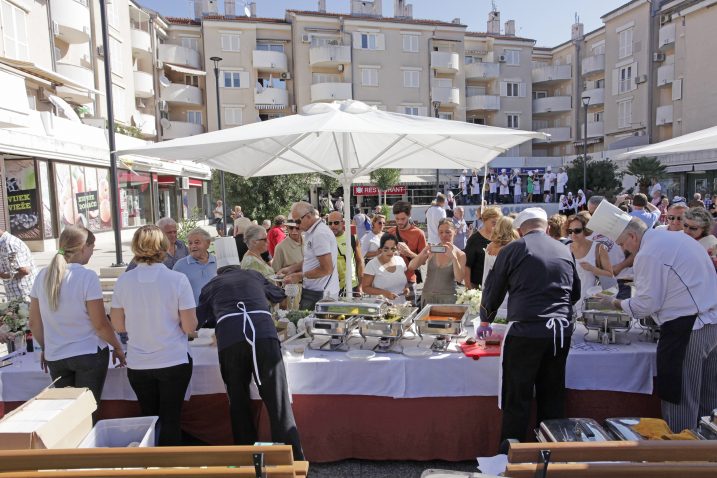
(155, 306)
(67, 317)
(385, 275)
(371, 241)
(591, 256)
(698, 223)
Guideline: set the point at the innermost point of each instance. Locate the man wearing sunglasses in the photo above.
(675, 215)
(336, 224)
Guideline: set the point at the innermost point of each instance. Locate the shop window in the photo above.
(83, 197)
(135, 198)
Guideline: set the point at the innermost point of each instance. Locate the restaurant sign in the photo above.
(373, 191)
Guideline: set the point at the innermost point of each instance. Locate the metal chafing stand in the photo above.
(444, 330)
(338, 319)
(389, 327)
(611, 325)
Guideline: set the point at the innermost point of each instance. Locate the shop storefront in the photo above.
(135, 188)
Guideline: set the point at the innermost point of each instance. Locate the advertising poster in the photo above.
(22, 200)
(83, 197)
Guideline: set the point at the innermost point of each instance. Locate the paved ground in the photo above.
(385, 469)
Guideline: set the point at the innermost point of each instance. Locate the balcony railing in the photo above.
(482, 70)
(73, 20)
(593, 64)
(558, 134)
(143, 84)
(664, 115)
(552, 73)
(448, 96)
(181, 129)
(552, 104)
(483, 102)
(147, 124)
(273, 61)
(597, 96)
(665, 74)
(445, 61)
(141, 41)
(183, 94)
(329, 55)
(666, 36)
(330, 91)
(596, 129)
(179, 55)
(272, 96)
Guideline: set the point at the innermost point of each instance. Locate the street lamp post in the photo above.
(586, 103)
(436, 105)
(216, 61)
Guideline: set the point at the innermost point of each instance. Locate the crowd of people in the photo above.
(513, 186)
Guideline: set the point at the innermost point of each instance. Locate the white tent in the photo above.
(349, 137)
(697, 141)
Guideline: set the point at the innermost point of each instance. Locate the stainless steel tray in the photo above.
(331, 327)
(451, 327)
(571, 430)
(385, 328)
(621, 428)
(594, 318)
(359, 307)
(707, 428)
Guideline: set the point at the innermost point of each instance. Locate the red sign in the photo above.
(373, 191)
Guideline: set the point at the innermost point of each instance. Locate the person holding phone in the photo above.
(446, 265)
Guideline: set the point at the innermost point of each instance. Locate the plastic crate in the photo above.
(120, 432)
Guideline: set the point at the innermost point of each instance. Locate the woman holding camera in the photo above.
(385, 274)
(446, 266)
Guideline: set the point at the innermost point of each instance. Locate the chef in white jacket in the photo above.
(562, 182)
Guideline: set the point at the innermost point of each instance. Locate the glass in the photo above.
(136, 198)
(578, 230)
(674, 218)
(334, 223)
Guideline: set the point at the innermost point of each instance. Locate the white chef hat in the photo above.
(464, 171)
(580, 191)
(502, 170)
(530, 173)
(549, 168)
(529, 213)
(570, 194)
(225, 250)
(609, 220)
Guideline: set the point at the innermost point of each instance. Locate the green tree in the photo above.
(644, 169)
(329, 184)
(263, 197)
(603, 177)
(385, 179)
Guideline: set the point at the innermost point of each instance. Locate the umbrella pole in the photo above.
(347, 230)
(482, 189)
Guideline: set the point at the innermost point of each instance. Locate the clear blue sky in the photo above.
(547, 21)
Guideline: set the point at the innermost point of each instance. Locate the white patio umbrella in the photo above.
(697, 141)
(349, 137)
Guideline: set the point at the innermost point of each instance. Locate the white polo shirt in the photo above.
(152, 296)
(319, 241)
(68, 330)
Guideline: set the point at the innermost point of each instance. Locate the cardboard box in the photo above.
(121, 432)
(55, 418)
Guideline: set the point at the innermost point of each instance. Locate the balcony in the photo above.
(664, 115)
(73, 20)
(179, 55)
(330, 91)
(272, 61)
(447, 95)
(552, 73)
(482, 71)
(665, 74)
(141, 42)
(445, 61)
(593, 64)
(143, 84)
(552, 104)
(596, 129)
(560, 134)
(80, 75)
(483, 102)
(597, 96)
(146, 124)
(271, 96)
(666, 36)
(181, 129)
(182, 94)
(329, 55)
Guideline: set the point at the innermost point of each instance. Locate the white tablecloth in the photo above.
(624, 368)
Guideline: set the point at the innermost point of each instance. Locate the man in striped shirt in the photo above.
(16, 267)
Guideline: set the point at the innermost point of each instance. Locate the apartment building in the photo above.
(54, 155)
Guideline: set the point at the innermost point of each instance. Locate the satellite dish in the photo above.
(166, 124)
(164, 81)
(247, 10)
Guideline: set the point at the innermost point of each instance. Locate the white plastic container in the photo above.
(121, 432)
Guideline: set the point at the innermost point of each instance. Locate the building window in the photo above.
(410, 78)
(317, 41)
(369, 76)
(446, 116)
(624, 114)
(194, 117)
(112, 14)
(230, 42)
(410, 43)
(468, 59)
(539, 94)
(116, 63)
(600, 83)
(14, 32)
(599, 49)
(190, 42)
(625, 79)
(232, 79)
(597, 116)
(512, 89)
(476, 91)
(232, 115)
(411, 110)
(476, 120)
(512, 121)
(326, 78)
(191, 80)
(278, 47)
(368, 41)
(512, 57)
(625, 38)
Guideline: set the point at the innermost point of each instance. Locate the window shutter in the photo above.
(522, 89)
(503, 88)
(244, 79)
(380, 41)
(676, 90)
(423, 111)
(615, 81)
(357, 40)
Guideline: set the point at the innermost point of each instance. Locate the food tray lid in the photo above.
(573, 430)
(366, 308)
(621, 428)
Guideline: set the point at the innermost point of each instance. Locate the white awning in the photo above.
(31, 68)
(705, 166)
(65, 108)
(682, 168)
(188, 71)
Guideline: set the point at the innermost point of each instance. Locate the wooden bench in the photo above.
(188, 461)
(617, 459)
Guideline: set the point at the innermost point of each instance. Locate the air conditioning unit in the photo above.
(665, 18)
(286, 76)
(305, 38)
(657, 57)
(100, 51)
(641, 79)
(183, 182)
(160, 64)
(293, 108)
(501, 59)
(340, 68)
(55, 28)
(163, 106)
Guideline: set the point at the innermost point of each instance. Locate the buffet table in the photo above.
(389, 407)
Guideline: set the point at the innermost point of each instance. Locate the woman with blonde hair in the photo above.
(475, 247)
(503, 234)
(67, 317)
(155, 307)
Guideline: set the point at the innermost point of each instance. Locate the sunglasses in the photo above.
(674, 218)
(577, 230)
(692, 228)
(334, 223)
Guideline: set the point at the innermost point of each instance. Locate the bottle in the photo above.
(29, 342)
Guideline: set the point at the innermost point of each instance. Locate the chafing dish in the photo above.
(571, 430)
(611, 325)
(443, 322)
(652, 328)
(338, 319)
(621, 428)
(707, 427)
(388, 328)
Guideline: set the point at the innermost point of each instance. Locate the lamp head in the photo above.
(216, 60)
(436, 104)
(586, 101)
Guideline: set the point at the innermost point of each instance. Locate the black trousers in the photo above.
(160, 392)
(530, 364)
(237, 368)
(89, 370)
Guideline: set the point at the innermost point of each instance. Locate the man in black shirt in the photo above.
(540, 277)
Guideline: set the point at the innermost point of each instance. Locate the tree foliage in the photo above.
(263, 197)
(385, 179)
(644, 169)
(603, 177)
(329, 184)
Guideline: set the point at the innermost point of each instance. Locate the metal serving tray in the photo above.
(331, 327)
(594, 318)
(383, 328)
(707, 427)
(571, 430)
(451, 327)
(364, 307)
(621, 428)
